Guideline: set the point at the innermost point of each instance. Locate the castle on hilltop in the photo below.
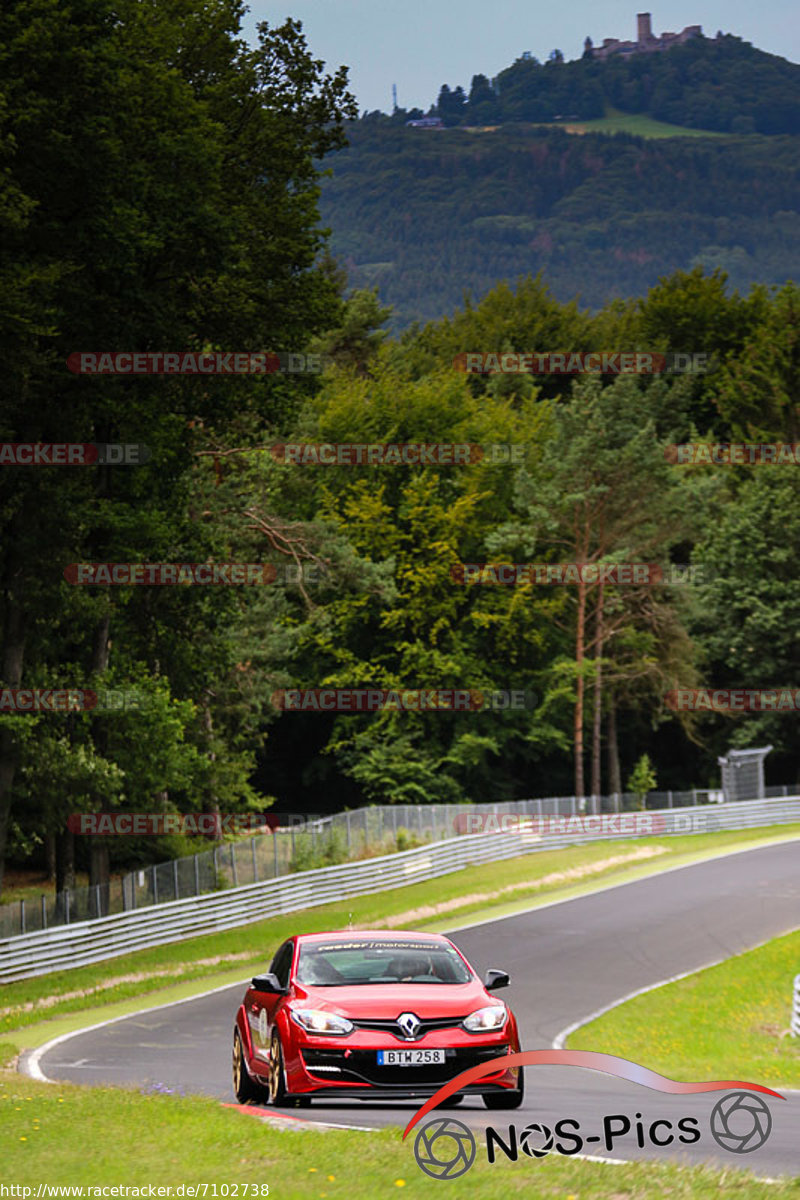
(646, 41)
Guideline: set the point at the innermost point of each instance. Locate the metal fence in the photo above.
(348, 836)
(67, 946)
(796, 1008)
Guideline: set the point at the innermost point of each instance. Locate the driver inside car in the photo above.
(411, 968)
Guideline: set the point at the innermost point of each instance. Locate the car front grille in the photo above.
(361, 1066)
(427, 1025)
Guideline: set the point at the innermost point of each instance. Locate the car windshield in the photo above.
(345, 963)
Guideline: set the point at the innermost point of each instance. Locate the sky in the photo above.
(421, 44)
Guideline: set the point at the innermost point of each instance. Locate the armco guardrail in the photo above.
(66, 946)
(347, 836)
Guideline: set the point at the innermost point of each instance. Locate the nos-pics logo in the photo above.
(445, 1148)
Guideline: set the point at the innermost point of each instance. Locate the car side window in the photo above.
(282, 963)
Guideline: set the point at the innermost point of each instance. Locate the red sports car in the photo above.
(371, 1015)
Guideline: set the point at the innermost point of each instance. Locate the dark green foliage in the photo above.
(601, 216)
(724, 84)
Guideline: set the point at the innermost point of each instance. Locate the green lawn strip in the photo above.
(643, 126)
(730, 1021)
(616, 121)
(71, 1135)
(194, 965)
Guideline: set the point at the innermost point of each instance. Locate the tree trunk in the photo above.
(13, 657)
(580, 641)
(102, 646)
(99, 870)
(598, 693)
(50, 856)
(211, 806)
(65, 860)
(614, 776)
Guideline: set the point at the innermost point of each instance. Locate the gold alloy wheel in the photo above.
(238, 1063)
(276, 1087)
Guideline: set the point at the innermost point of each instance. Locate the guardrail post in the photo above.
(796, 1008)
(234, 874)
(275, 851)
(44, 911)
(175, 878)
(66, 906)
(196, 876)
(155, 884)
(22, 915)
(347, 825)
(253, 856)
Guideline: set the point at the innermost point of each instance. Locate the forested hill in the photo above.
(723, 84)
(425, 215)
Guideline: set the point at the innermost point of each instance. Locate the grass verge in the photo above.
(68, 1135)
(616, 121)
(730, 1021)
(85, 995)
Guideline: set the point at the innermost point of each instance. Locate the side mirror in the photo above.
(496, 979)
(268, 983)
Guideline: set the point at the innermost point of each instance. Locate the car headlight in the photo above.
(486, 1020)
(313, 1020)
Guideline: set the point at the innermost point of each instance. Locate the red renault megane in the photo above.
(371, 1015)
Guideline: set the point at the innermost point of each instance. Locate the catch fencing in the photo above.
(313, 842)
(63, 947)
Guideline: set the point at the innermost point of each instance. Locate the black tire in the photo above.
(506, 1100)
(278, 1094)
(245, 1089)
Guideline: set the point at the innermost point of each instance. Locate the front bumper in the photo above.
(353, 1070)
(361, 1067)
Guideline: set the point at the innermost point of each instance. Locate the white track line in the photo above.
(559, 1040)
(29, 1062)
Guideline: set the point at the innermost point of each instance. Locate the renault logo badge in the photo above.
(410, 1025)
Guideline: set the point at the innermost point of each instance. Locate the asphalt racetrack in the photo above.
(566, 961)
